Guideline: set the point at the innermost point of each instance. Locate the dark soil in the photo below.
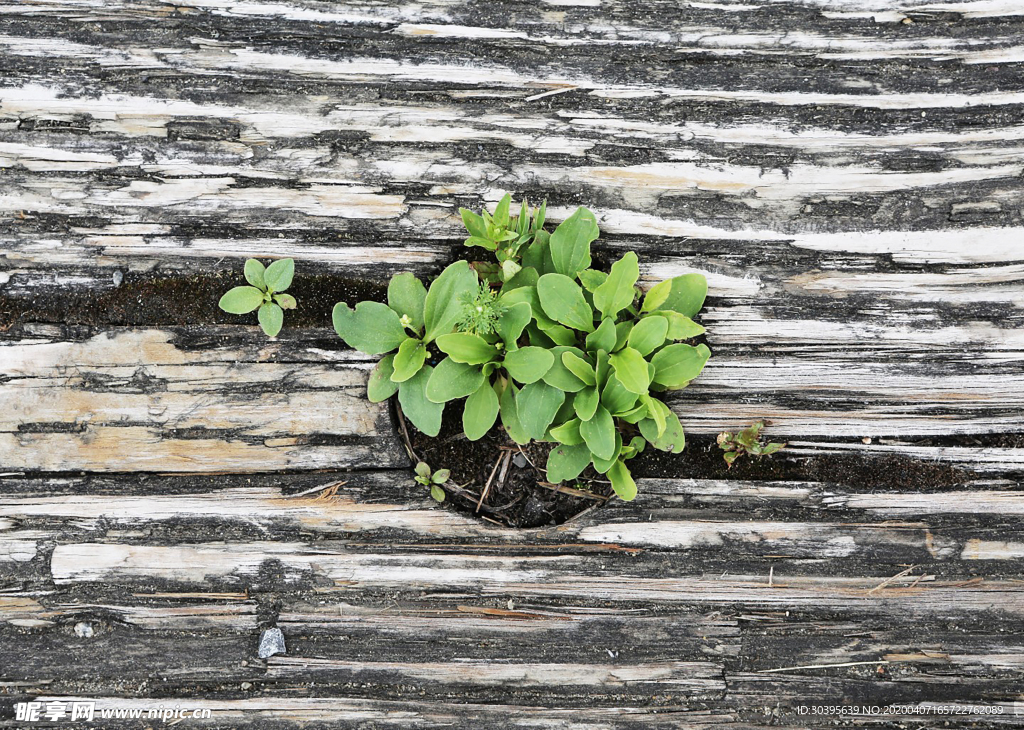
(702, 459)
(169, 301)
(515, 497)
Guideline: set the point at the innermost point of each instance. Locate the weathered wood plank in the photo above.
(72, 405)
(760, 522)
(845, 172)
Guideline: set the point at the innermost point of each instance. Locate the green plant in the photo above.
(559, 351)
(503, 235)
(747, 441)
(266, 293)
(432, 479)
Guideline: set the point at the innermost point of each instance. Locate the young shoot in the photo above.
(264, 293)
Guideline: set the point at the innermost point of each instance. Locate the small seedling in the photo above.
(265, 294)
(432, 479)
(747, 441)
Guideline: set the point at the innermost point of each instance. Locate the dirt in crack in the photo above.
(155, 300)
(515, 496)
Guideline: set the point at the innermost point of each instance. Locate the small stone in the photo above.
(83, 630)
(246, 685)
(866, 440)
(118, 277)
(519, 460)
(271, 642)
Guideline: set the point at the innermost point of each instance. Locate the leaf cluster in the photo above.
(265, 293)
(506, 237)
(575, 356)
(747, 441)
(432, 479)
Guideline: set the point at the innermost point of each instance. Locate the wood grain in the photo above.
(846, 173)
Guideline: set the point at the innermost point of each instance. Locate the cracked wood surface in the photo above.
(846, 173)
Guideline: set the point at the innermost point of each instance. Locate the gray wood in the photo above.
(846, 173)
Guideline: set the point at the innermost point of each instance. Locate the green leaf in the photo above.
(617, 293)
(410, 358)
(586, 403)
(635, 448)
(684, 294)
(524, 277)
(567, 462)
(616, 398)
(603, 368)
(373, 328)
(510, 415)
(420, 410)
(481, 242)
(278, 276)
(633, 415)
(559, 375)
(567, 411)
(678, 364)
(622, 482)
(579, 367)
(467, 348)
(561, 298)
(592, 279)
(603, 338)
(538, 254)
(501, 212)
(599, 433)
(528, 294)
(561, 336)
(679, 327)
(241, 300)
(480, 412)
(672, 439)
(648, 335)
(474, 223)
(285, 301)
(443, 305)
(254, 271)
(529, 364)
(631, 370)
(772, 448)
(512, 323)
(536, 406)
(422, 469)
(603, 465)
(407, 295)
(437, 493)
(622, 330)
(271, 317)
(451, 380)
(380, 387)
(656, 412)
(568, 433)
(538, 338)
(441, 476)
(570, 243)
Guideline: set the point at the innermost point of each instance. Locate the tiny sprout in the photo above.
(432, 479)
(266, 294)
(747, 441)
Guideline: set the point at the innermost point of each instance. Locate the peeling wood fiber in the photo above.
(846, 173)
